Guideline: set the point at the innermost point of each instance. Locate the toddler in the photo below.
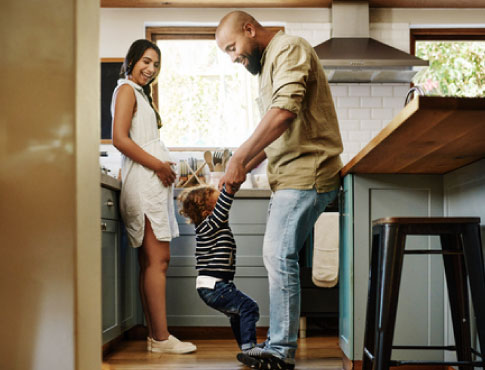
(208, 209)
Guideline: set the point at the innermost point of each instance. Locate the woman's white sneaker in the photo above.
(172, 345)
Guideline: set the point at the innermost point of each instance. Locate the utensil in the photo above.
(225, 157)
(208, 160)
(218, 161)
(194, 176)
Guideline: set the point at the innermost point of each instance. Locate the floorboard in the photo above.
(313, 353)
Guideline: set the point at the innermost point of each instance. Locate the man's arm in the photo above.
(274, 123)
(253, 163)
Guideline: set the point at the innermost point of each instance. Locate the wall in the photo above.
(49, 186)
(464, 196)
(362, 109)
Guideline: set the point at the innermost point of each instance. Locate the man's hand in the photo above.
(235, 175)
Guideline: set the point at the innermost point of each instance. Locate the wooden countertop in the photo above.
(431, 135)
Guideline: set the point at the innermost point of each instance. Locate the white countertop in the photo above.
(110, 182)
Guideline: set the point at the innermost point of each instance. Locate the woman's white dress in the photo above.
(142, 192)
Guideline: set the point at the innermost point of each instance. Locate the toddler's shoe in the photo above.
(172, 345)
(149, 344)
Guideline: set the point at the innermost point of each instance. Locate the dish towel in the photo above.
(326, 250)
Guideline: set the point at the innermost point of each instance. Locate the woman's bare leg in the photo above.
(141, 284)
(156, 256)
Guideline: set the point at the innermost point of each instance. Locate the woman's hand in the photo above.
(165, 173)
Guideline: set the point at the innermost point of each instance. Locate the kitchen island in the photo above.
(428, 161)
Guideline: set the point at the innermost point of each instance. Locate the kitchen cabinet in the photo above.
(184, 307)
(420, 313)
(248, 223)
(424, 163)
(119, 280)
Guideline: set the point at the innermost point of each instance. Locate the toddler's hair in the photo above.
(194, 201)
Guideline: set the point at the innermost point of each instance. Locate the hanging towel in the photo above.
(326, 250)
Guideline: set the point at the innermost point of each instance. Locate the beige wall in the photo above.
(49, 185)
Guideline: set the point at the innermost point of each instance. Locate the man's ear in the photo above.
(249, 29)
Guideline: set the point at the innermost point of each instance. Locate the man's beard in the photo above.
(254, 62)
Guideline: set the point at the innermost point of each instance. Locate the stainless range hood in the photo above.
(352, 56)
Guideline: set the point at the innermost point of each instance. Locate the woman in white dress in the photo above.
(146, 199)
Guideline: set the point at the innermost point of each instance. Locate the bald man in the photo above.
(300, 137)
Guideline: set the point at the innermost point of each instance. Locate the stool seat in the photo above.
(461, 250)
(426, 220)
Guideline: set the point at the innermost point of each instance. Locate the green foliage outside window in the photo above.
(456, 68)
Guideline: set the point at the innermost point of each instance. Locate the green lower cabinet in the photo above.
(119, 279)
(129, 284)
(420, 317)
(184, 306)
(346, 272)
(110, 281)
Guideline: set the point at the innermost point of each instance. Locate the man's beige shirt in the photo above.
(307, 155)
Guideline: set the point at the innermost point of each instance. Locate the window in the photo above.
(204, 99)
(456, 61)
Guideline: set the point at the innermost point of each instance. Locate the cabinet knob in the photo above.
(104, 226)
(110, 203)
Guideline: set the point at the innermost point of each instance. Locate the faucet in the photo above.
(412, 91)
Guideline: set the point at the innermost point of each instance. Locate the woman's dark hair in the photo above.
(136, 51)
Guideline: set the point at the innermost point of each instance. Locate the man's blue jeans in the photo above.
(242, 310)
(291, 217)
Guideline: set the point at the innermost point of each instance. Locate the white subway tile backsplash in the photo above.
(382, 113)
(351, 148)
(342, 114)
(360, 136)
(349, 125)
(370, 124)
(347, 102)
(401, 90)
(339, 90)
(370, 102)
(379, 104)
(359, 90)
(359, 113)
(381, 90)
(394, 102)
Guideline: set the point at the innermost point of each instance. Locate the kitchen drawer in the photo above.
(109, 204)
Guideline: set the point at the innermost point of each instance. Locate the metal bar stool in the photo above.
(462, 256)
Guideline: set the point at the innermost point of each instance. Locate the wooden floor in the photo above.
(313, 353)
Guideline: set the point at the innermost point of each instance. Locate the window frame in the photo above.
(438, 34)
(443, 34)
(183, 33)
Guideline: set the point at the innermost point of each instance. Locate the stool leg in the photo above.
(472, 246)
(391, 263)
(371, 313)
(458, 297)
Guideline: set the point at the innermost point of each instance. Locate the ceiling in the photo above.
(286, 3)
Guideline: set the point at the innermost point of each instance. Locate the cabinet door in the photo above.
(420, 310)
(110, 287)
(248, 220)
(129, 283)
(346, 268)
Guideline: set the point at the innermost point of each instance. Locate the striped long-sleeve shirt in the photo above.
(216, 250)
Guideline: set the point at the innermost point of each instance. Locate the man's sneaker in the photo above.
(172, 345)
(275, 363)
(251, 362)
(255, 358)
